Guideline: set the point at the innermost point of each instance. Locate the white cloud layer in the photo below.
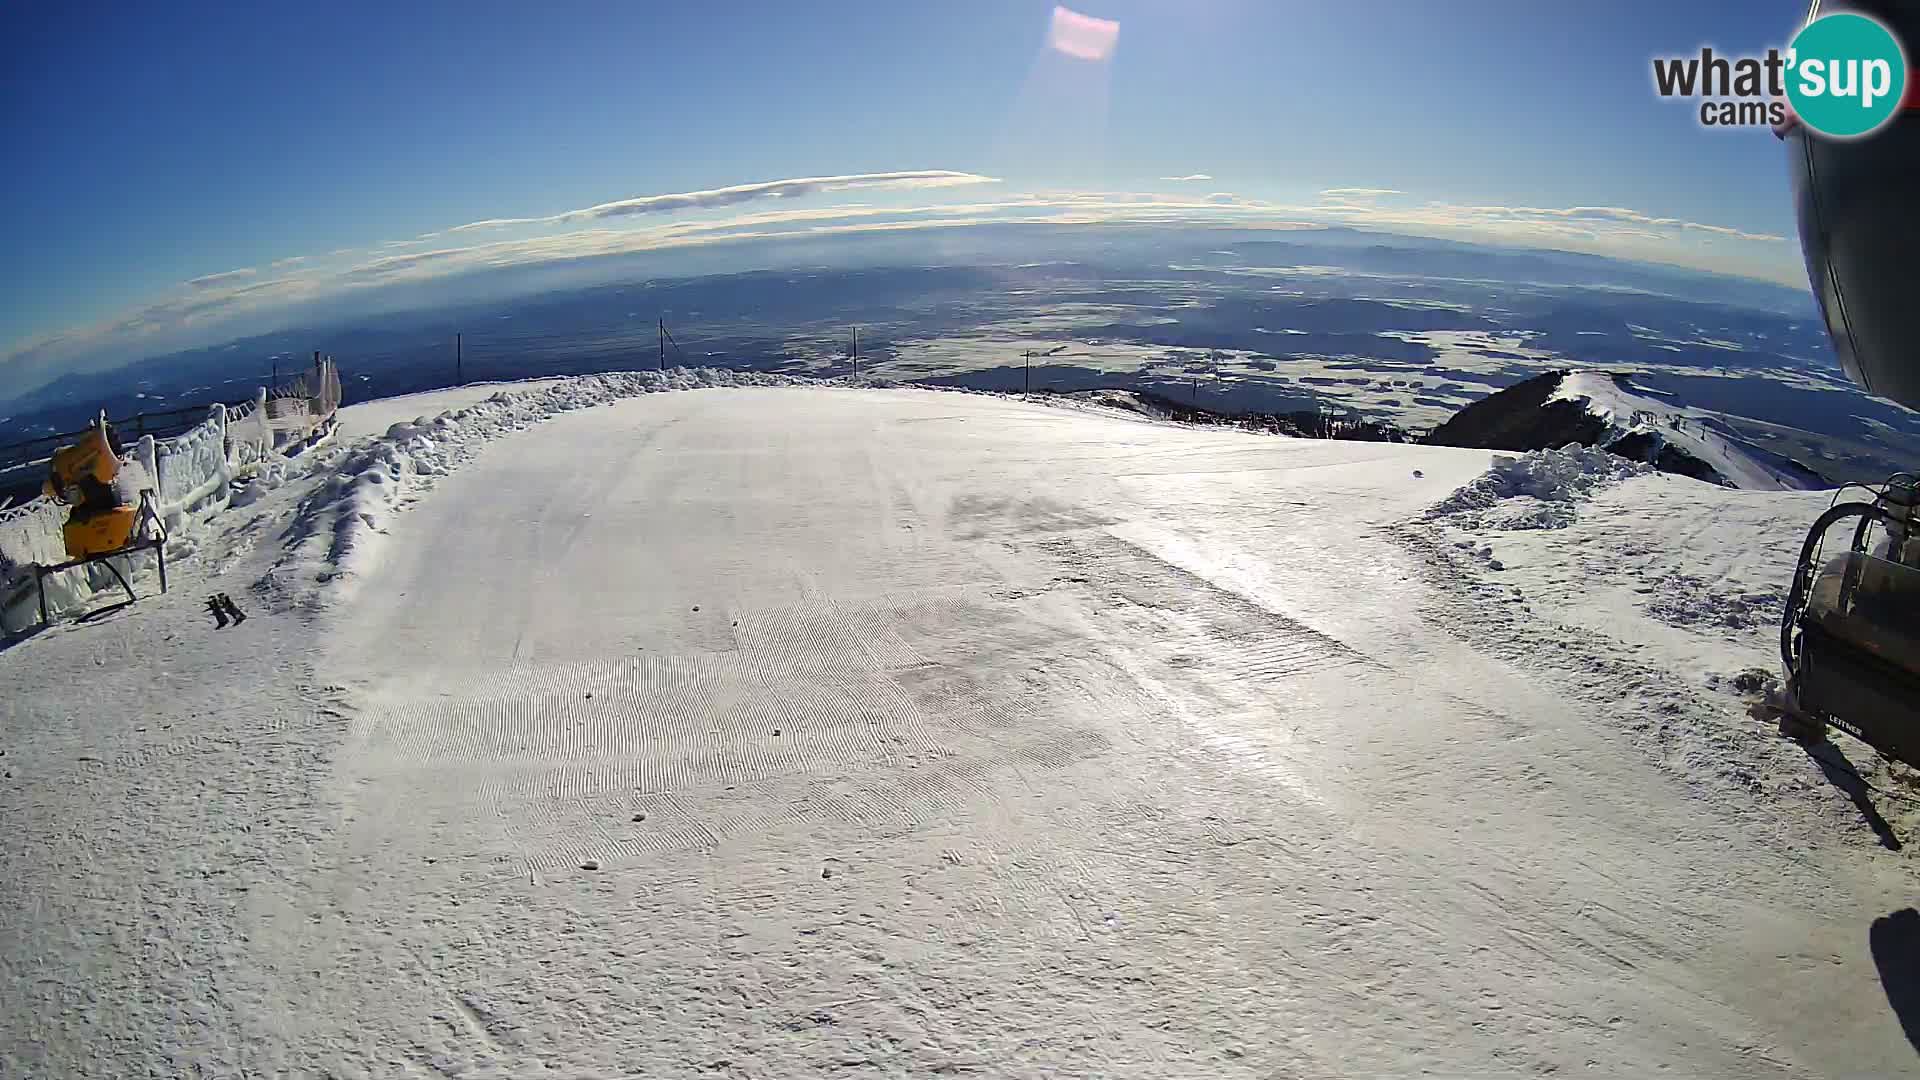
(213, 280)
(1358, 194)
(740, 193)
(345, 282)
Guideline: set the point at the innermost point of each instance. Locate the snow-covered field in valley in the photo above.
(775, 731)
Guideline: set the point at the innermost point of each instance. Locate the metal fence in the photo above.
(23, 464)
(294, 406)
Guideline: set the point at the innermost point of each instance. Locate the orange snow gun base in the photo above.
(82, 476)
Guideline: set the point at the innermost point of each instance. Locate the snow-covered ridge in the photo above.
(1644, 426)
(1607, 411)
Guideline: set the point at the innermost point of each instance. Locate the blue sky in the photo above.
(160, 144)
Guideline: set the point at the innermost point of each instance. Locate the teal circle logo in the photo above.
(1846, 75)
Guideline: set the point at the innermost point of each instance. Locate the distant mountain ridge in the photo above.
(1608, 412)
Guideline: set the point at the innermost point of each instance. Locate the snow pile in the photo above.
(269, 473)
(334, 533)
(1539, 489)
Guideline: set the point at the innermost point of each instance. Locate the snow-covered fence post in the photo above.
(193, 471)
(260, 412)
(144, 453)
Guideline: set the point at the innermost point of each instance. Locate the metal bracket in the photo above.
(155, 540)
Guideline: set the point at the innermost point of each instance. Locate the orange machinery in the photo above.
(82, 476)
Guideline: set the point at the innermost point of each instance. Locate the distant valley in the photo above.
(1400, 330)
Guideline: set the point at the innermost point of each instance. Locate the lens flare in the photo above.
(1082, 37)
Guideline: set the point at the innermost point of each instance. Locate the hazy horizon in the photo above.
(231, 185)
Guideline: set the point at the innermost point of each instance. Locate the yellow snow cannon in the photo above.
(82, 476)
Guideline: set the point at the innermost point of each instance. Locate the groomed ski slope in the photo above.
(797, 731)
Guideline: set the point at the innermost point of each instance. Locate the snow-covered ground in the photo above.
(789, 731)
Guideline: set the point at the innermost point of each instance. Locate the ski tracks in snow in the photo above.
(935, 734)
(1103, 750)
